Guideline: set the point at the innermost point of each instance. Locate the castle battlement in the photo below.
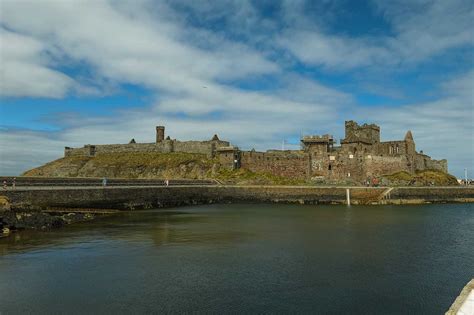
(361, 154)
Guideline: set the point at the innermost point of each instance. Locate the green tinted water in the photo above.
(246, 259)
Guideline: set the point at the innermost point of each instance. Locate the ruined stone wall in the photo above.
(358, 148)
(165, 146)
(203, 147)
(132, 147)
(292, 164)
(424, 162)
(384, 165)
(366, 133)
(229, 157)
(75, 152)
(340, 165)
(391, 148)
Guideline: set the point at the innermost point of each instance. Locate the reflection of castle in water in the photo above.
(360, 155)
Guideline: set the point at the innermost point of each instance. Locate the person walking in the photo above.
(4, 185)
(104, 182)
(14, 183)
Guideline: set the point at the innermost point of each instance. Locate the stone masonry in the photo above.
(360, 156)
(161, 145)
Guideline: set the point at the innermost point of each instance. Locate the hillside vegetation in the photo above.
(420, 178)
(178, 165)
(174, 165)
(129, 165)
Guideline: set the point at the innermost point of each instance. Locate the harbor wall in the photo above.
(130, 198)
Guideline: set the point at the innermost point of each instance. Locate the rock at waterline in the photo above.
(4, 204)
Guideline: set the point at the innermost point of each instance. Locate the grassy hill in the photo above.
(129, 165)
(174, 165)
(420, 178)
(178, 165)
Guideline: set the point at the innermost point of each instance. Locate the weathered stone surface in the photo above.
(129, 198)
(361, 157)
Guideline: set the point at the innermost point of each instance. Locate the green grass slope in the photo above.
(174, 165)
(421, 178)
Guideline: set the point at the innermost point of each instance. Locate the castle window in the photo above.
(391, 150)
(348, 174)
(398, 150)
(330, 167)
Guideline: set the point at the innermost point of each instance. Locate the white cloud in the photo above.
(134, 48)
(23, 70)
(422, 29)
(441, 128)
(137, 43)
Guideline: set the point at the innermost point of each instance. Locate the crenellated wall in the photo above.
(361, 155)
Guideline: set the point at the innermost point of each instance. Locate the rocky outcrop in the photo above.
(37, 220)
(4, 204)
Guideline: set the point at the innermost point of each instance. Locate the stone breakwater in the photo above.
(130, 198)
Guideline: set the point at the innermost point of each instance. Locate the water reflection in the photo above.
(246, 259)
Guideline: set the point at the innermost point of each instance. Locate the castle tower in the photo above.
(410, 143)
(318, 144)
(368, 134)
(160, 133)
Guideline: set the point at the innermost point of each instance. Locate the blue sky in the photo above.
(255, 72)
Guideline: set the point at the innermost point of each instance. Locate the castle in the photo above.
(361, 155)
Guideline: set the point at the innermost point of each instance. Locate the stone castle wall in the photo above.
(165, 146)
(361, 155)
(365, 133)
(293, 164)
(423, 162)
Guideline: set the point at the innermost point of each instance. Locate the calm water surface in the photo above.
(247, 259)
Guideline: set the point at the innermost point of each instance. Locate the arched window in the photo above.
(398, 149)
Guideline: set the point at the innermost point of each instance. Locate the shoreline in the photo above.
(16, 220)
(44, 208)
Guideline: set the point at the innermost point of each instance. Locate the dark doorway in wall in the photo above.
(330, 167)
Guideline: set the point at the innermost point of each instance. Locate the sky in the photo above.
(257, 73)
